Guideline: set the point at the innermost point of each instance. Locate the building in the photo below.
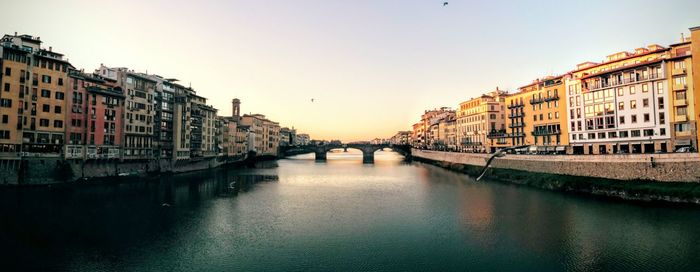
(622, 104)
(203, 130)
(139, 113)
(32, 112)
(536, 117)
(478, 117)
(94, 128)
(425, 132)
(265, 133)
(302, 139)
(401, 138)
(287, 136)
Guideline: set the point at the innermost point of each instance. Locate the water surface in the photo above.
(339, 215)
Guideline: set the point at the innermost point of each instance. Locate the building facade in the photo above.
(477, 118)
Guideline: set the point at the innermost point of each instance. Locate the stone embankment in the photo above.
(664, 177)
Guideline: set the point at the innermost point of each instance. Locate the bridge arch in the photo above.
(321, 151)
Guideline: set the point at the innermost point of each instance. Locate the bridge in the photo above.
(321, 150)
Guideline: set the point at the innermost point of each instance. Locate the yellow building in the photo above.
(684, 112)
(695, 75)
(32, 100)
(536, 116)
(480, 117)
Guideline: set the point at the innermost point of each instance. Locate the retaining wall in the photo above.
(671, 167)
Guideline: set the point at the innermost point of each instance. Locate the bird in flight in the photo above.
(444, 4)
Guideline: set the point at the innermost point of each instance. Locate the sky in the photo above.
(371, 66)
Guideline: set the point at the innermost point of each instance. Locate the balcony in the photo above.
(546, 132)
(551, 98)
(535, 101)
(516, 105)
(680, 87)
(679, 71)
(683, 133)
(681, 118)
(516, 115)
(614, 83)
(680, 102)
(497, 134)
(515, 125)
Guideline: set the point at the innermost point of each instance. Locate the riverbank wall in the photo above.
(54, 170)
(666, 177)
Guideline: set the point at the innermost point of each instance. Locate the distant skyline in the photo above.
(371, 67)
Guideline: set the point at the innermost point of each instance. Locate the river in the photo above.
(340, 215)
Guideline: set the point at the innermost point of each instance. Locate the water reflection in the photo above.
(339, 215)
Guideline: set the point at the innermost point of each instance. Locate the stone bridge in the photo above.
(321, 150)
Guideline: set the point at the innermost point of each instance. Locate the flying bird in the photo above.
(444, 4)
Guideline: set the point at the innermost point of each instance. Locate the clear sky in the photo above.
(372, 66)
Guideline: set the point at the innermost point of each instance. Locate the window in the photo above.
(621, 106)
(8, 71)
(43, 122)
(57, 109)
(60, 81)
(648, 132)
(612, 134)
(7, 87)
(59, 95)
(624, 134)
(682, 127)
(636, 133)
(660, 88)
(46, 108)
(662, 118)
(661, 103)
(622, 120)
(5, 119)
(633, 104)
(549, 116)
(632, 90)
(634, 118)
(645, 102)
(46, 79)
(620, 92)
(662, 131)
(5, 103)
(645, 88)
(646, 117)
(57, 123)
(46, 93)
(680, 95)
(556, 115)
(591, 136)
(681, 111)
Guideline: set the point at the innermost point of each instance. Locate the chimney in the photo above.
(50, 49)
(15, 33)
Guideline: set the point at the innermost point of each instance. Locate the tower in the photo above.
(236, 107)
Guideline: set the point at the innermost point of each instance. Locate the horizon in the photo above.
(372, 67)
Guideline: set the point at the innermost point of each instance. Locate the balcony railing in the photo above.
(625, 81)
(516, 115)
(516, 105)
(497, 134)
(680, 102)
(680, 71)
(545, 132)
(679, 87)
(515, 125)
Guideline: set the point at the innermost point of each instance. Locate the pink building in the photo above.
(94, 123)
